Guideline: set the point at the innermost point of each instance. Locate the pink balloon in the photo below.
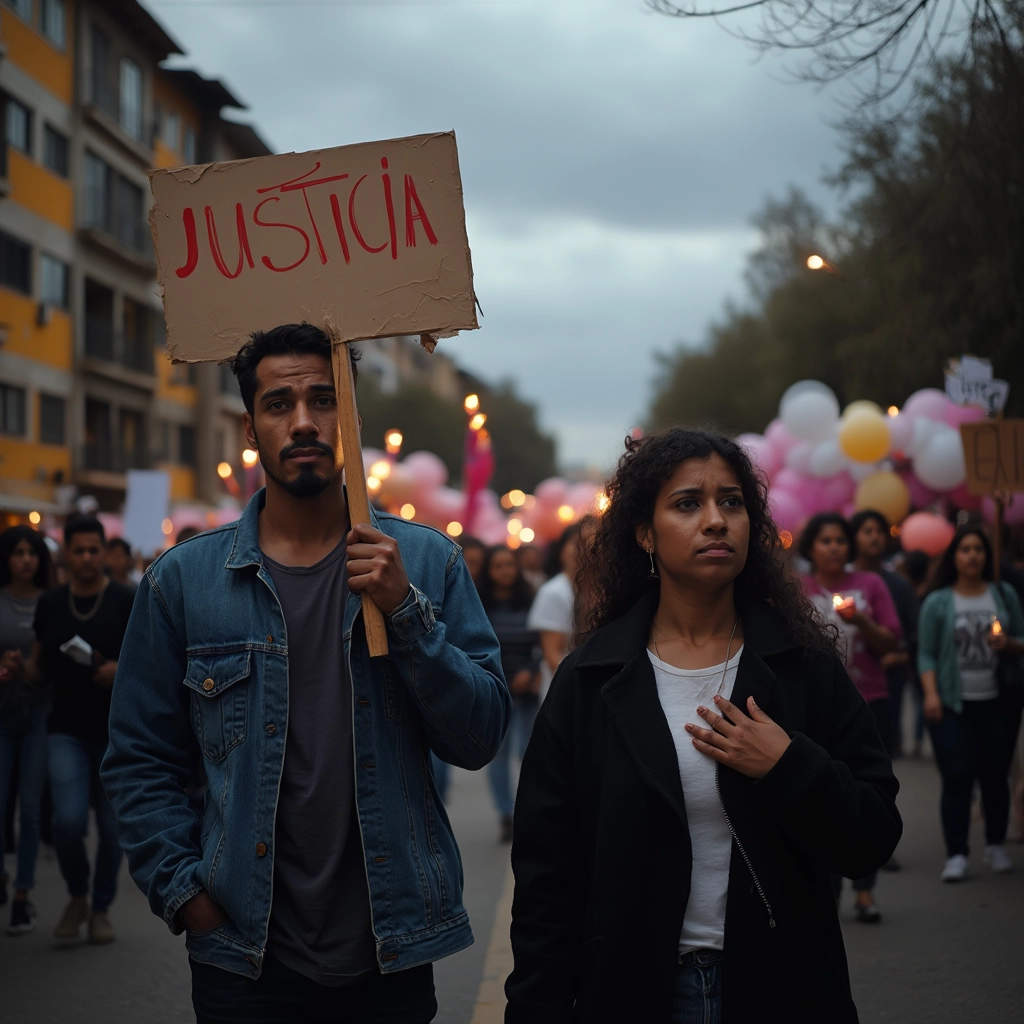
(957, 414)
(960, 497)
(901, 431)
(780, 438)
(551, 492)
(427, 469)
(762, 453)
(850, 509)
(927, 532)
(787, 510)
(788, 479)
(582, 496)
(920, 496)
(837, 491)
(929, 402)
(1013, 513)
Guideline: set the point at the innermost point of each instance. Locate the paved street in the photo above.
(943, 955)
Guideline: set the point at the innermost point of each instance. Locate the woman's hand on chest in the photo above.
(751, 744)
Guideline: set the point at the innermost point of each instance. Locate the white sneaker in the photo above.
(998, 859)
(955, 869)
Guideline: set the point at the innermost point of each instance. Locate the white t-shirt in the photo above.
(681, 692)
(976, 660)
(552, 611)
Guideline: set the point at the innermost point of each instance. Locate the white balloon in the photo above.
(826, 459)
(901, 431)
(798, 457)
(860, 471)
(940, 463)
(924, 431)
(811, 416)
(804, 387)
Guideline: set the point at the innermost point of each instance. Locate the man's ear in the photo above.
(644, 537)
(249, 429)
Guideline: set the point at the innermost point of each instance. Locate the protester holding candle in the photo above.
(971, 640)
(860, 603)
(700, 766)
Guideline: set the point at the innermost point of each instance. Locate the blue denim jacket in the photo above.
(203, 674)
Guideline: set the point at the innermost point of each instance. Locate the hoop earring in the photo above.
(654, 571)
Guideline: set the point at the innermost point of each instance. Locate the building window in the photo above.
(53, 22)
(97, 192)
(170, 131)
(22, 8)
(128, 214)
(102, 82)
(15, 264)
(19, 127)
(53, 276)
(55, 151)
(12, 410)
(51, 419)
(188, 149)
(186, 445)
(131, 98)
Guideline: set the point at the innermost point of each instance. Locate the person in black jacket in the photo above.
(700, 767)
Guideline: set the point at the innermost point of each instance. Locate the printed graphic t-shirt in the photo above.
(976, 660)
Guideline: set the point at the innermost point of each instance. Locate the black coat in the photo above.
(601, 849)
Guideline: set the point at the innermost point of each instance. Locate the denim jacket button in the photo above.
(270, 639)
(208, 685)
(261, 849)
(271, 728)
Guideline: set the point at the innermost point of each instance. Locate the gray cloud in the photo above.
(611, 160)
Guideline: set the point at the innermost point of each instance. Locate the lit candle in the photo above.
(997, 627)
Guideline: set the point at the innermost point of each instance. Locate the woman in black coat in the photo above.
(700, 767)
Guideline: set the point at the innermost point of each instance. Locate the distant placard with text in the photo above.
(994, 455)
(370, 238)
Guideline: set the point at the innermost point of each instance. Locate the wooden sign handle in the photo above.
(358, 502)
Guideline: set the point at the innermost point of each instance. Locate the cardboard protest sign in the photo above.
(970, 381)
(370, 239)
(146, 506)
(994, 455)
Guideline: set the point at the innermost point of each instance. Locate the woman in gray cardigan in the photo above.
(967, 625)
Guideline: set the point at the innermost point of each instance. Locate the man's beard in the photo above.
(309, 483)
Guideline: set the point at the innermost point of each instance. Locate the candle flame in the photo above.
(997, 626)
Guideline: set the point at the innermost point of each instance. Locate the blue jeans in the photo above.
(23, 741)
(698, 996)
(75, 782)
(281, 995)
(499, 771)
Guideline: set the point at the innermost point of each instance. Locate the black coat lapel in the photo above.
(631, 697)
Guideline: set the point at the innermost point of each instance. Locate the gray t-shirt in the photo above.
(320, 919)
(16, 634)
(976, 660)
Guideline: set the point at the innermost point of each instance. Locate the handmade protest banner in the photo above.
(367, 241)
(994, 456)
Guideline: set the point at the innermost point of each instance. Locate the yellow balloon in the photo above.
(884, 492)
(864, 435)
(861, 403)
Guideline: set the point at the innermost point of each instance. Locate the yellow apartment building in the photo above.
(86, 391)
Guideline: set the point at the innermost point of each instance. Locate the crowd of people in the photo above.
(705, 722)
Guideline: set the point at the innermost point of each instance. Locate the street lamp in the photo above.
(816, 262)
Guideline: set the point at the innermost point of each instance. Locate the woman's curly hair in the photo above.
(615, 571)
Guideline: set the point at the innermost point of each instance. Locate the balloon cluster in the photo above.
(416, 487)
(818, 459)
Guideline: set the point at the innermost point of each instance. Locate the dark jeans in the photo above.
(75, 782)
(698, 995)
(974, 745)
(283, 996)
(23, 753)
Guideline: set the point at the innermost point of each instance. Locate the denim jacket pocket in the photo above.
(218, 701)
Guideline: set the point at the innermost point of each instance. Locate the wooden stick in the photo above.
(358, 502)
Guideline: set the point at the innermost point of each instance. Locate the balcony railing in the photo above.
(103, 342)
(110, 457)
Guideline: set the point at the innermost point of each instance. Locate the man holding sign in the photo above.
(323, 877)
(314, 654)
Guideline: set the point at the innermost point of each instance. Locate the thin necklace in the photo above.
(728, 651)
(95, 605)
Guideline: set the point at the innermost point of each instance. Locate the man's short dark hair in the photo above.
(865, 515)
(83, 524)
(119, 543)
(284, 340)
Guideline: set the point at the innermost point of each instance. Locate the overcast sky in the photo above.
(611, 161)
